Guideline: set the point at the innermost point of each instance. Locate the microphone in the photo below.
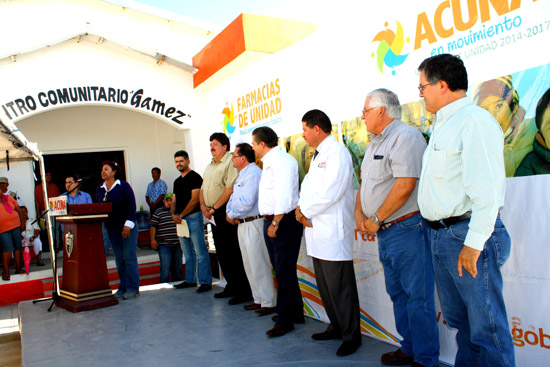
(84, 178)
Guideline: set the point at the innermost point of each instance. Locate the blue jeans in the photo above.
(197, 258)
(11, 240)
(125, 258)
(405, 255)
(474, 306)
(170, 261)
(106, 243)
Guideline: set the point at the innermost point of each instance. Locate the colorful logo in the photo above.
(228, 120)
(390, 48)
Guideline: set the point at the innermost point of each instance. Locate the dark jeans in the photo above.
(283, 251)
(229, 255)
(170, 263)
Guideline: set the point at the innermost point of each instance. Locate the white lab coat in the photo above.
(327, 198)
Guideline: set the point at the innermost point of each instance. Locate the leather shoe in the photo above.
(223, 294)
(252, 306)
(184, 285)
(347, 348)
(325, 335)
(238, 300)
(265, 311)
(279, 330)
(396, 358)
(301, 320)
(204, 288)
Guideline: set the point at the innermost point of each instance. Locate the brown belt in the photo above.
(395, 221)
(249, 219)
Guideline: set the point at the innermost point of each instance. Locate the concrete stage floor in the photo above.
(175, 327)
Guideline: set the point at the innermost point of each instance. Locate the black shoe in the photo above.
(396, 358)
(301, 320)
(238, 300)
(279, 330)
(347, 348)
(184, 285)
(204, 288)
(325, 335)
(223, 294)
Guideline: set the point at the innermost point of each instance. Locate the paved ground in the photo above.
(171, 327)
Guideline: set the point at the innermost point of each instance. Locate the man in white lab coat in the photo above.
(325, 209)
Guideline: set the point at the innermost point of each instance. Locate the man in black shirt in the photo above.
(186, 210)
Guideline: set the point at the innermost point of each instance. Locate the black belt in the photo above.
(447, 222)
(249, 219)
(269, 217)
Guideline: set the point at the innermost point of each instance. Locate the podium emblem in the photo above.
(69, 240)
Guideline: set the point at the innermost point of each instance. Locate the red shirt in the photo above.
(53, 191)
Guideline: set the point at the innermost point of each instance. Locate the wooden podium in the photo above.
(85, 283)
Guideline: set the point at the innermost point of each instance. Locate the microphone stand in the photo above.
(55, 294)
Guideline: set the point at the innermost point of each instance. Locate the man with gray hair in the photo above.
(386, 206)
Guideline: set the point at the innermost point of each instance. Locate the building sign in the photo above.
(65, 97)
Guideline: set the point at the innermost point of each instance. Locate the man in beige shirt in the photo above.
(217, 186)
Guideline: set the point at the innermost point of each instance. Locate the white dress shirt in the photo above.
(279, 183)
(327, 199)
(463, 169)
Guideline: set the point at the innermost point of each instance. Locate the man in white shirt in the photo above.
(242, 210)
(386, 206)
(326, 210)
(277, 200)
(461, 189)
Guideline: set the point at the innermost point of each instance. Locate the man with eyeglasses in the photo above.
(73, 193)
(461, 189)
(242, 210)
(386, 206)
(219, 177)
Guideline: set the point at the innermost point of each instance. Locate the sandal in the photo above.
(5, 277)
(39, 263)
(20, 271)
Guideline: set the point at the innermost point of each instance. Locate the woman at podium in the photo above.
(121, 228)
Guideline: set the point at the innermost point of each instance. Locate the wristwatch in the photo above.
(376, 220)
(275, 223)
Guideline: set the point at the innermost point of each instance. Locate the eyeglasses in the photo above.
(235, 156)
(421, 87)
(365, 110)
(69, 182)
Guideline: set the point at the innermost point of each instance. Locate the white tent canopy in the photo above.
(14, 147)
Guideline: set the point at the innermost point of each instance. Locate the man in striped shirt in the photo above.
(164, 238)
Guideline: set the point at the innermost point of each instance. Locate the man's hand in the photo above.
(468, 259)
(154, 244)
(360, 221)
(302, 218)
(272, 231)
(231, 221)
(371, 227)
(176, 219)
(126, 232)
(206, 211)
